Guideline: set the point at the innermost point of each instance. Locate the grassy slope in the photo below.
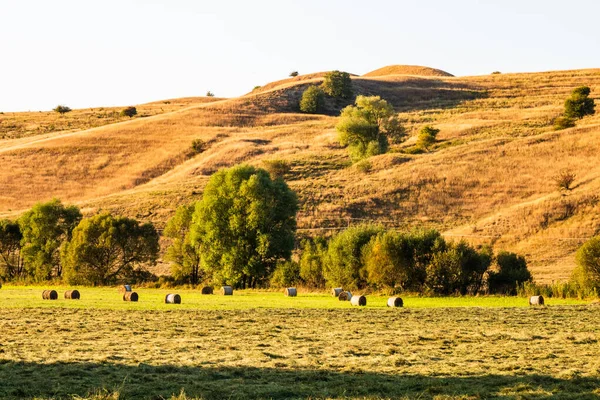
(488, 180)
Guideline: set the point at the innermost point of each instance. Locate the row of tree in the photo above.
(369, 256)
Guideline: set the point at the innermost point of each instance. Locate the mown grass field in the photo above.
(257, 345)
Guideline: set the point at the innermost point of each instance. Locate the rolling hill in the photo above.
(488, 180)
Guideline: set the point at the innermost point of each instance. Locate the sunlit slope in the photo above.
(489, 180)
(407, 70)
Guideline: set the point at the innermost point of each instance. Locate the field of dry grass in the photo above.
(488, 180)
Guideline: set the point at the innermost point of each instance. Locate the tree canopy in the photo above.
(184, 257)
(579, 104)
(244, 224)
(11, 264)
(105, 249)
(338, 84)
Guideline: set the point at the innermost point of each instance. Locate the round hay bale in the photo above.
(173, 298)
(345, 296)
(49, 295)
(536, 301)
(227, 291)
(395, 302)
(207, 290)
(130, 296)
(335, 292)
(291, 292)
(124, 288)
(72, 295)
(358, 301)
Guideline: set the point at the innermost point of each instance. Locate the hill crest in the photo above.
(408, 70)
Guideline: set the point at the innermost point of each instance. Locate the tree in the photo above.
(129, 112)
(294, 74)
(366, 127)
(313, 100)
(105, 249)
(511, 271)
(427, 137)
(286, 274)
(579, 104)
(588, 263)
(244, 225)
(344, 264)
(311, 262)
(337, 84)
(11, 261)
(184, 257)
(210, 94)
(61, 109)
(389, 261)
(45, 228)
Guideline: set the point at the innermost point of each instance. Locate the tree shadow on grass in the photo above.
(67, 380)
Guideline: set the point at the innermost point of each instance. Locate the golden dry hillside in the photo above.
(407, 70)
(488, 180)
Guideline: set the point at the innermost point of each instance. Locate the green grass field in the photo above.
(261, 345)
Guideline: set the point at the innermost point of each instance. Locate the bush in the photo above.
(564, 179)
(313, 100)
(311, 262)
(286, 274)
(364, 166)
(338, 84)
(344, 264)
(511, 272)
(427, 137)
(579, 104)
(563, 122)
(276, 168)
(199, 146)
(293, 74)
(366, 127)
(61, 109)
(588, 263)
(210, 94)
(496, 73)
(128, 112)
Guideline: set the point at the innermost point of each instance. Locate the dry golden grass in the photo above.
(488, 180)
(407, 70)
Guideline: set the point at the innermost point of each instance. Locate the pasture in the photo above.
(262, 345)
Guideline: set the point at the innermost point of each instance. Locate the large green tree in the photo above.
(45, 228)
(105, 249)
(184, 257)
(579, 104)
(11, 262)
(244, 224)
(337, 84)
(368, 126)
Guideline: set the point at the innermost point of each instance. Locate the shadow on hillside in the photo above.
(64, 380)
(406, 94)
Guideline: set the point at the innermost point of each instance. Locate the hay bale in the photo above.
(395, 302)
(124, 288)
(227, 291)
(358, 301)
(335, 292)
(49, 295)
(536, 301)
(207, 290)
(345, 296)
(291, 292)
(173, 299)
(130, 296)
(72, 295)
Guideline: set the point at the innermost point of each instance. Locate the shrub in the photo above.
(210, 94)
(311, 262)
(563, 122)
(496, 73)
(364, 166)
(128, 112)
(199, 146)
(343, 263)
(62, 109)
(564, 179)
(286, 274)
(366, 127)
(276, 168)
(427, 137)
(511, 272)
(579, 104)
(588, 263)
(313, 100)
(338, 84)
(256, 87)
(293, 74)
